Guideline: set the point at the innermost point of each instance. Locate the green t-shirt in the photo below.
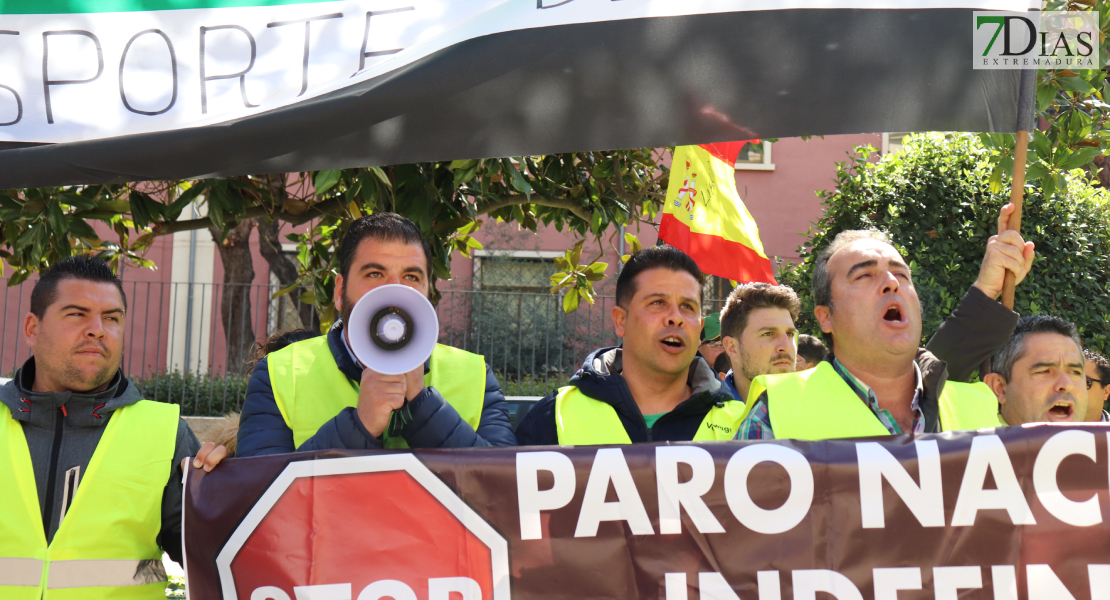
(651, 419)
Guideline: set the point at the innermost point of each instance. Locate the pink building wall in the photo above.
(784, 202)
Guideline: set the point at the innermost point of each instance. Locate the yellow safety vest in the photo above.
(310, 389)
(583, 421)
(112, 524)
(817, 404)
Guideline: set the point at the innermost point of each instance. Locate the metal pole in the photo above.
(192, 278)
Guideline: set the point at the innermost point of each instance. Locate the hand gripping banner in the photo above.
(1001, 514)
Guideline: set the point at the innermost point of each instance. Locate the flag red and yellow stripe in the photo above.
(705, 217)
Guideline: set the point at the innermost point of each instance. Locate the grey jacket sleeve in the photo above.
(972, 333)
(169, 538)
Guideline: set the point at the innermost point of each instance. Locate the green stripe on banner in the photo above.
(54, 7)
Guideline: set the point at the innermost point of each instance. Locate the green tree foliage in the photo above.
(934, 198)
(1073, 110)
(584, 193)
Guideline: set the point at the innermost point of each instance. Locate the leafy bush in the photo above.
(934, 198)
(527, 386)
(208, 396)
(175, 587)
(199, 395)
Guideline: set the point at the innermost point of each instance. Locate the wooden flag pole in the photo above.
(1027, 89)
(1017, 195)
(1026, 122)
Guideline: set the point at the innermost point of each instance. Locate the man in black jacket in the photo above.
(70, 400)
(654, 387)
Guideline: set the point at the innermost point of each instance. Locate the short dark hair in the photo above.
(385, 227)
(1004, 358)
(822, 284)
(723, 364)
(1101, 365)
(752, 296)
(811, 349)
(655, 257)
(84, 267)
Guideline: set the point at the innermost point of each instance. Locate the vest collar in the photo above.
(600, 378)
(730, 386)
(81, 410)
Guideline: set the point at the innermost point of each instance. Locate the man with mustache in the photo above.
(1038, 375)
(91, 473)
(876, 380)
(757, 323)
(653, 387)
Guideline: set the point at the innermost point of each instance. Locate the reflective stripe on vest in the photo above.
(817, 404)
(310, 389)
(583, 421)
(106, 546)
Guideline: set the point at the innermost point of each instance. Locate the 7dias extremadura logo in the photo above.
(1051, 39)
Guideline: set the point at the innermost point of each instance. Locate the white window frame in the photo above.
(766, 165)
(885, 148)
(476, 272)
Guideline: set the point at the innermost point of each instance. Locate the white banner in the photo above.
(74, 77)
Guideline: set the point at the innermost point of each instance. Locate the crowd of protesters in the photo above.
(747, 373)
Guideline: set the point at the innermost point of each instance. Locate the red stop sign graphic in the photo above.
(359, 522)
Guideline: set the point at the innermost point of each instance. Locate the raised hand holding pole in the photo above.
(1026, 95)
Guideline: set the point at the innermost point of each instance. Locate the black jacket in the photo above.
(434, 424)
(59, 441)
(600, 378)
(972, 333)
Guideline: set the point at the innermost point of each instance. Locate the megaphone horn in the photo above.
(393, 329)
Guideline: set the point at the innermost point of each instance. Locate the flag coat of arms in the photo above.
(705, 217)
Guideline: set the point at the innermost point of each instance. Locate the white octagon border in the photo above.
(499, 547)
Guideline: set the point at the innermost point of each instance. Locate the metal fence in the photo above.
(178, 349)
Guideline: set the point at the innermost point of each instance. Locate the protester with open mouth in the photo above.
(1038, 376)
(877, 380)
(653, 387)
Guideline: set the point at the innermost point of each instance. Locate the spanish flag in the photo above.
(705, 217)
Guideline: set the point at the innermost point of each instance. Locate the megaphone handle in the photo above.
(398, 419)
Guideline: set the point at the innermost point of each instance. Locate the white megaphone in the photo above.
(393, 329)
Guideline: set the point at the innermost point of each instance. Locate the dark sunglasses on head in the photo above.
(1091, 380)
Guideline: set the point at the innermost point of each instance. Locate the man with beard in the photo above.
(877, 381)
(315, 395)
(1038, 375)
(653, 387)
(757, 324)
(91, 473)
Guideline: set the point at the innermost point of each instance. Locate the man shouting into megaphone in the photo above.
(316, 395)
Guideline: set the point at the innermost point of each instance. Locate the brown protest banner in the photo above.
(1018, 512)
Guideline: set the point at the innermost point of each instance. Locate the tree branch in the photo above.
(517, 199)
(314, 211)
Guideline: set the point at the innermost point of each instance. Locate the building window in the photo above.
(514, 271)
(892, 142)
(755, 157)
